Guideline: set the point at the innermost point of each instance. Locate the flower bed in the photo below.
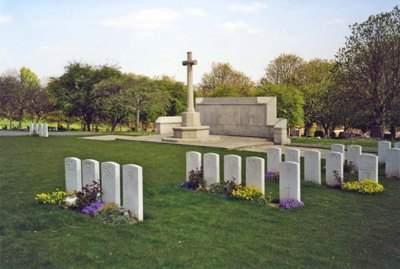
(367, 186)
(87, 202)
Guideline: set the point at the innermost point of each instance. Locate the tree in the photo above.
(142, 96)
(74, 90)
(223, 80)
(111, 103)
(285, 69)
(176, 93)
(289, 102)
(17, 92)
(317, 78)
(370, 67)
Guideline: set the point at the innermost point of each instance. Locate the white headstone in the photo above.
(73, 176)
(40, 130)
(36, 128)
(393, 163)
(353, 152)
(45, 130)
(132, 176)
(211, 168)
(382, 147)
(193, 162)
(90, 171)
(274, 159)
(368, 167)
(312, 166)
(338, 148)
(292, 155)
(255, 169)
(233, 168)
(334, 167)
(110, 182)
(289, 181)
(31, 128)
(397, 145)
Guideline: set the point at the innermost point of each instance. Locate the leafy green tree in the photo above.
(74, 90)
(176, 93)
(289, 102)
(285, 69)
(142, 95)
(111, 102)
(370, 67)
(224, 81)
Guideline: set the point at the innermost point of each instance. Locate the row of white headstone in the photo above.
(81, 173)
(367, 165)
(39, 129)
(289, 172)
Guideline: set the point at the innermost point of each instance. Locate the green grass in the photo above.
(325, 141)
(184, 229)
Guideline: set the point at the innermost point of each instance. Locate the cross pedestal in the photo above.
(191, 129)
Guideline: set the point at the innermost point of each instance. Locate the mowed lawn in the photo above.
(184, 229)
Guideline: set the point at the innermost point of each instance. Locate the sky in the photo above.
(152, 37)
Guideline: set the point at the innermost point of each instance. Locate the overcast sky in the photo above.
(152, 37)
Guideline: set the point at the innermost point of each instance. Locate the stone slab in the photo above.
(289, 181)
(312, 166)
(368, 167)
(211, 168)
(334, 164)
(111, 182)
(73, 176)
(132, 176)
(233, 168)
(255, 169)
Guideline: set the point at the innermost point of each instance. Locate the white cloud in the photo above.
(48, 48)
(6, 19)
(254, 7)
(146, 18)
(195, 12)
(231, 27)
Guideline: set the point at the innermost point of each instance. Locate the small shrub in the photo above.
(319, 133)
(56, 198)
(349, 167)
(196, 180)
(250, 193)
(290, 203)
(110, 213)
(272, 176)
(367, 186)
(89, 194)
(226, 188)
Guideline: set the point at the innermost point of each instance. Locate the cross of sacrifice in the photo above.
(189, 63)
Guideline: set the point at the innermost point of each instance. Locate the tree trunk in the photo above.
(393, 131)
(137, 120)
(113, 125)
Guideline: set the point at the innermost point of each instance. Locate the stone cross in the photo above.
(189, 63)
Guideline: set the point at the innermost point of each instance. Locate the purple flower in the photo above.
(290, 203)
(271, 176)
(92, 208)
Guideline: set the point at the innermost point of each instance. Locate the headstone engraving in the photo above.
(368, 167)
(382, 147)
(292, 155)
(73, 177)
(255, 169)
(233, 168)
(211, 168)
(274, 159)
(392, 168)
(193, 162)
(334, 168)
(132, 176)
(90, 171)
(289, 181)
(110, 182)
(353, 152)
(312, 166)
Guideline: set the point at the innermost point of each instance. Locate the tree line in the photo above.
(360, 88)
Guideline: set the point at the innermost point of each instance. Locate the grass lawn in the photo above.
(325, 141)
(184, 229)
